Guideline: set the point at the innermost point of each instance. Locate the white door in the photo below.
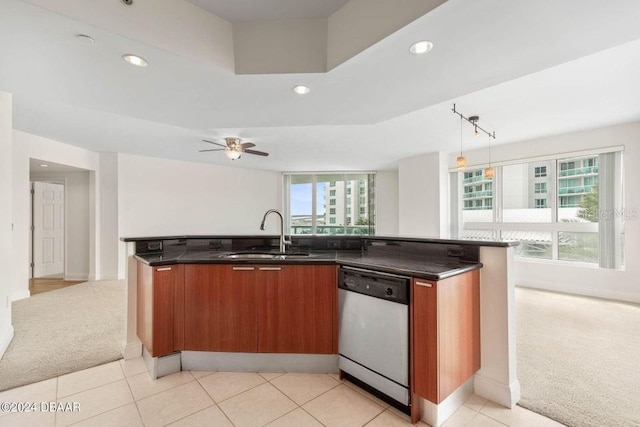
(48, 229)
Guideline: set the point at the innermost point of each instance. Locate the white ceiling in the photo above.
(36, 166)
(527, 70)
(262, 10)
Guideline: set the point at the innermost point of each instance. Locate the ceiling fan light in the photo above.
(232, 154)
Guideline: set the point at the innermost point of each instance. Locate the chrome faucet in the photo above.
(283, 242)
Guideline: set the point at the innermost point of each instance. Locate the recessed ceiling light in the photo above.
(135, 60)
(85, 38)
(418, 48)
(43, 165)
(301, 90)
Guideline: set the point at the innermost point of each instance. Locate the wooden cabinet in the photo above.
(445, 324)
(160, 308)
(264, 308)
(220, 308)
(296, 309)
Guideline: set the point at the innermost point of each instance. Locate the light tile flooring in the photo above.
(122, 394)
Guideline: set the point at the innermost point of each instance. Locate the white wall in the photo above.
(77, 220)
(422, 196)
(6, 262)
(26, 146)
(387, 203)
(605, 283)
(161, 197)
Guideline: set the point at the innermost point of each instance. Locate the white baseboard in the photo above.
(131, 350)
(109, 277)
(435, 415)
(19, 295)
(505, 395)
(5, 340)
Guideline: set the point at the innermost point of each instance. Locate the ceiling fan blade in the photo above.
(215, 143)
(246, 145)
(215, 149)
(256, 152)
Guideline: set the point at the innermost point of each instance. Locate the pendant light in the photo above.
(461, 161)
(488, 172)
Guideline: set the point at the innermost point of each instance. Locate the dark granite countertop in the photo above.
(495, 243)
(424, 268)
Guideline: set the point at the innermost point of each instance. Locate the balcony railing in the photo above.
(477, 194)
(588, 170)
(475, 179)
(334, 229)
(576, 190)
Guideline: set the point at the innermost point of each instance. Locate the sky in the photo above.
(301, 199)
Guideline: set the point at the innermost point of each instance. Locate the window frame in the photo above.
(612, 240)
(363, 178)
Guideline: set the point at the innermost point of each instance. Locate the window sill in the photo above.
(565, 263)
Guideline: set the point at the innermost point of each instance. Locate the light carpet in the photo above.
(64, 331)
(579, 358)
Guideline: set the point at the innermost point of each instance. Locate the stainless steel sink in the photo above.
(254, 255)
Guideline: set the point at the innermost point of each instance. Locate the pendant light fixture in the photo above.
(488, 172)
(461, 161)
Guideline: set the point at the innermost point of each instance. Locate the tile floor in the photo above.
(121, 394)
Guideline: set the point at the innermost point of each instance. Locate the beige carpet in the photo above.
(63, 331)
(579, 358)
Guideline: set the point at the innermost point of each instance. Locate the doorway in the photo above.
(47, 230)
(59, 229)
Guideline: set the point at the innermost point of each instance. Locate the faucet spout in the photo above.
(283, 241)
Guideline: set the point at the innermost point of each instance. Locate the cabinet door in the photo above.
(296, 309)
(159, 307)
(220, 308)
(446, 334)
(424, 343)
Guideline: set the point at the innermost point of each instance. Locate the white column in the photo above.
(497, 378)
(423, 206)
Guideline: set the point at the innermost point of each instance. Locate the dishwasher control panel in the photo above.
(380, 285)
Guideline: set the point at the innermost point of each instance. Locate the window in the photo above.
(349, 190)
(320, 204)
(554, 207)
(361, 190)
(540, 171)
(541, 203)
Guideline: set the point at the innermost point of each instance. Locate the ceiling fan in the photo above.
(235, 147)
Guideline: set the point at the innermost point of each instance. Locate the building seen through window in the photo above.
(551, 206)
(323, 203)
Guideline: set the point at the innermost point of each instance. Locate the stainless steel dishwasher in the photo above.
(374, 330)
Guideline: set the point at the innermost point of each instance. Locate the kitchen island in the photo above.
(250, 333)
